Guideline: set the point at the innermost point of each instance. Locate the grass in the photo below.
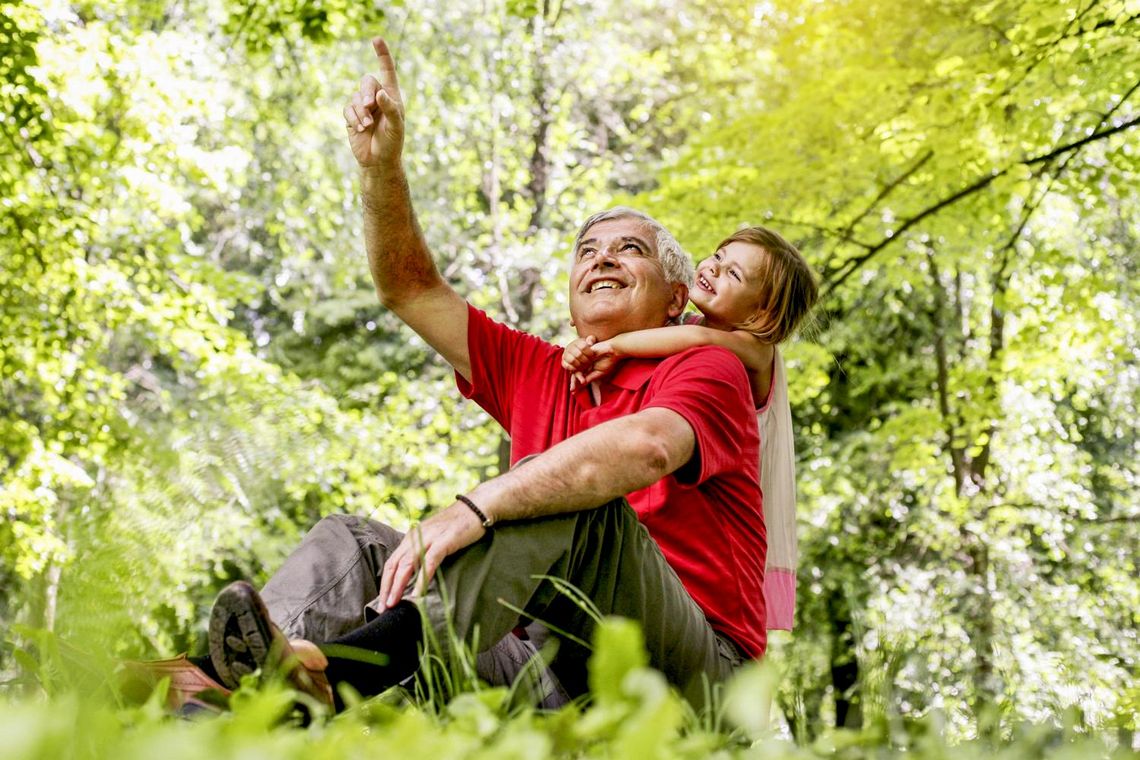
(60, 714)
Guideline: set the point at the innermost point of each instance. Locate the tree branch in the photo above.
(887, 190)
(942, 381)
(825, 231)
(1043, 52)
(1109, 520)
(839, 275)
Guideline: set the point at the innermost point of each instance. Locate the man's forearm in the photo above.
(405, 276)
(398, 256)
(591, 468)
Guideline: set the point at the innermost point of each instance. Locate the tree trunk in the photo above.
(844, 664)
(518, 297)
(986, 688)
(970, 472)
(540, 156)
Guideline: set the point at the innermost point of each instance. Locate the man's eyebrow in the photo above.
(624, 239)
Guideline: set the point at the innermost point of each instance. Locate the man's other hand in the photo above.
(434, 539)
(374, 116)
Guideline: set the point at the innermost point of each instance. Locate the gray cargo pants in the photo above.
(328, 587)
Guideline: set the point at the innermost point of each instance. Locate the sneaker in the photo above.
(243, 641)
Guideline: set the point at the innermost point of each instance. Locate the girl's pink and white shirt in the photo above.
(778, 483)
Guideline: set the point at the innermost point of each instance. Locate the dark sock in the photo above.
(377, 655)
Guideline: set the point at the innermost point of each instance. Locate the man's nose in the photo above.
(607, 257)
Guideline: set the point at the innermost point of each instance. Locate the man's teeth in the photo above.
(606, 284)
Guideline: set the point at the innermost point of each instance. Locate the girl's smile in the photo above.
(730, 283)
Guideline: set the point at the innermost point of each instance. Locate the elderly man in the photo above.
(677, 437)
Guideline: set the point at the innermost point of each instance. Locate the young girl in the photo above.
(752, 294)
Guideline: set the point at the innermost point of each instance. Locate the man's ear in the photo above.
(678, 301)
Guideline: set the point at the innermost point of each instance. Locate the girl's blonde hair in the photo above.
(790, 289)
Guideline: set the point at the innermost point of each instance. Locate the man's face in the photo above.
(617, 283)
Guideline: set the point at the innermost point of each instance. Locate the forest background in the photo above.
(194, 367)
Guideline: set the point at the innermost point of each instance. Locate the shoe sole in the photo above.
(241, 634)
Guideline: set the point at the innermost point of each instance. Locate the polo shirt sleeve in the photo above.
(708, 386)
(501, 359)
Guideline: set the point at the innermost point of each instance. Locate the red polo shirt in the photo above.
(708, 521)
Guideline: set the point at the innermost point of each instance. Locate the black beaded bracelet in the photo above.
(478, 512)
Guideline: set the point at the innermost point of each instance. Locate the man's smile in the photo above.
(604, 283)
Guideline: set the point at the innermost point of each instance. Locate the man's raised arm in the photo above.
(405, 275)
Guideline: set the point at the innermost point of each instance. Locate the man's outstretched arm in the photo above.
(610, 460)
(401, 264)
(587, 470)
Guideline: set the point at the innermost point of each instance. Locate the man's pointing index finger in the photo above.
(387, 69)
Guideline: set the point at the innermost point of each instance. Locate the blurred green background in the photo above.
(194, 367)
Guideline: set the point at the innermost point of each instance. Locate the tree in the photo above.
(958, 174)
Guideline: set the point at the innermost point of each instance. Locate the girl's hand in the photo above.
(578, 359)
(605, 356)
(588, 361)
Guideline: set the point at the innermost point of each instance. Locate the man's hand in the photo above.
(588, 360)
(436, 538)
(374, 116)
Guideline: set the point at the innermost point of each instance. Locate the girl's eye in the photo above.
(736, 274)
(717, 255)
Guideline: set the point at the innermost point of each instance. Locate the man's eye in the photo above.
(584, 252)
(631, 247)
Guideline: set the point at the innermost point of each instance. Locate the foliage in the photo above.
(961, 176)
(633, 714)
(193, 367)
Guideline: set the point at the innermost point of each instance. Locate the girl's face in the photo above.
(730, 283)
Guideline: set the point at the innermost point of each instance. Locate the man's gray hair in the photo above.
(676, 263)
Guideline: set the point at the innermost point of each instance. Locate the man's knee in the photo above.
(364, 531)
(333, 523)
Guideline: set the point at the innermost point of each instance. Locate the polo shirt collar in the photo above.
(631, 374)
